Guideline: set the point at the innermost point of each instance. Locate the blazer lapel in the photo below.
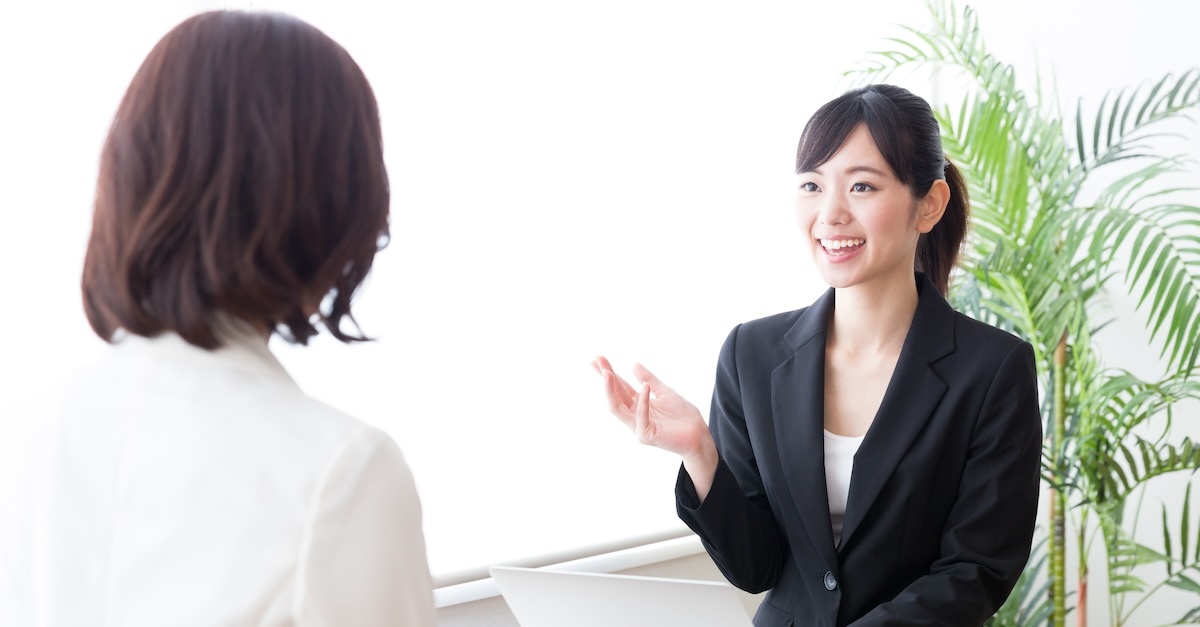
(911, 397)
(798, 405)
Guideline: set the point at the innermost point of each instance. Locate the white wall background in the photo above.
(568, 179)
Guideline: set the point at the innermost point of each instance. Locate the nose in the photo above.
(832, 209)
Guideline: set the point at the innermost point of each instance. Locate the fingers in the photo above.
(645, 376)
(642, 420)
(631, 406)
(621, 397)
(600, 364)
(620, 402)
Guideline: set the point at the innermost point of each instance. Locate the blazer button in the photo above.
(830, 581)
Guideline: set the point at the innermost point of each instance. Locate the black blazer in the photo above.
(944, 492)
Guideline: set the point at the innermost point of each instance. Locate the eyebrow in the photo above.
(852, 170)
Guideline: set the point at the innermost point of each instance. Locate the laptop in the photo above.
(548, 598)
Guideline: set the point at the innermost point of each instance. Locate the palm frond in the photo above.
(1122, 119)
(1123, 556)
(1163, 269)
(1112, 460)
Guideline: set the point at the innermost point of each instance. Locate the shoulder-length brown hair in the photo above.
(243, 174)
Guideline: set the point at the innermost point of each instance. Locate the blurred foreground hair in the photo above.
(243, 175)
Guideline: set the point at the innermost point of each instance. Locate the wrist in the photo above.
(704, 455)
(701, 465)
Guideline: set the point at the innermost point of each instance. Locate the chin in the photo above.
(836, 279)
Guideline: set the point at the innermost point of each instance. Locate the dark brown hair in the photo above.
(243, 174)
(909, 138)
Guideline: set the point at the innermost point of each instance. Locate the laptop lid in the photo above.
(547, 598)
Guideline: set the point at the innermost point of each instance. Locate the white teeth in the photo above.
(834, 244)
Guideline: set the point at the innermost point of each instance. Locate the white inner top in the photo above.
(839, 463)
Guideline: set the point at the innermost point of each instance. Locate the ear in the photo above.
(931, 208)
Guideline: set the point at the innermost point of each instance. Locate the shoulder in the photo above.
(973, 333)
(787, 331)
(367, 473)
(757, 347)
(238, 403)
(336, 448)
(984, 356)
(775, 325)
(367, 492)
(975, 330)
(365, 518)
(761, 341)
(366, 449)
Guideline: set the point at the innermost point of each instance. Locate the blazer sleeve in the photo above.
(734, 522)
(362, 561)
(986, 540)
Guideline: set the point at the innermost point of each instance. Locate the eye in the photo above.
(809, 186)
(862, 187)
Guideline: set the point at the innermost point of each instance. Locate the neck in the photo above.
(873, 318)
(231, 328)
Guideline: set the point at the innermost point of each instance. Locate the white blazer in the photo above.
(179, 486)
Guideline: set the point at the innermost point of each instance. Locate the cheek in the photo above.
(804, 224)
(896, 218)
(803, 220)
(805, 215)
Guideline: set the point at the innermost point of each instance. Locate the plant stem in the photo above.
(1081, 602)
(1058, 523)
(1117, 601)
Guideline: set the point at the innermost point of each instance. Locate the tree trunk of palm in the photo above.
(1081, 601)
(1058, 518)
(1082, 582)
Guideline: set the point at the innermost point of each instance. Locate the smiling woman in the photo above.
(872, 458)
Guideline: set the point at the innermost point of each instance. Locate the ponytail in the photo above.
(937, 250)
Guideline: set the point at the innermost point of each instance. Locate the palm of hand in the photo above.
(656, 414)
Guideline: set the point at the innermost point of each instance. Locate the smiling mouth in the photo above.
(837, 247)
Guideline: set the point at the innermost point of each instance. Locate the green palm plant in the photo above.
(1039, 261)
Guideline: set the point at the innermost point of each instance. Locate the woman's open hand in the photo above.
(660, 417)
(656, 414)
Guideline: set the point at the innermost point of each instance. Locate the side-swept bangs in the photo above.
(829, 127)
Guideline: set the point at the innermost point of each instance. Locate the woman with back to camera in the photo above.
(872, 459)
(187, 479)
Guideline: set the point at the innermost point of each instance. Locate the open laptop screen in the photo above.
(547, 598)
